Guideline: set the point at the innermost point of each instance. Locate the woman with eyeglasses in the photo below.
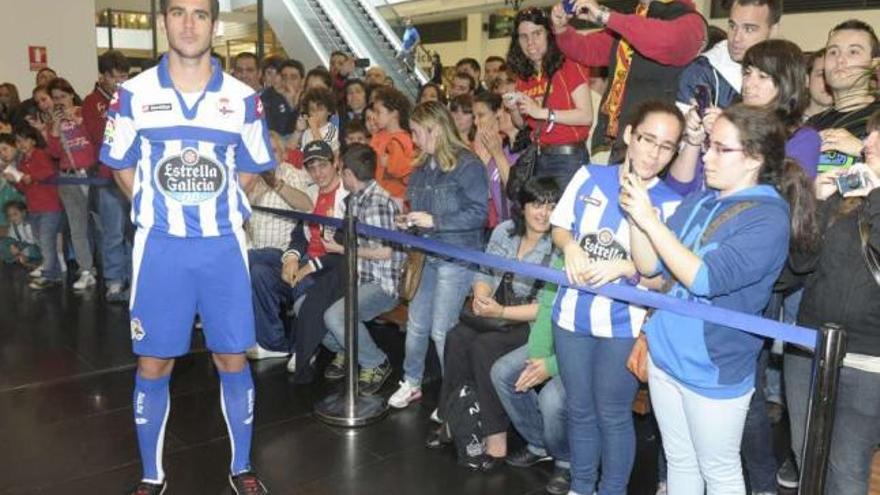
(594, 335)
(562, 124)
(724, 247)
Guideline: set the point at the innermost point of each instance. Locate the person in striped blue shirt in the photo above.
(594, 335)
(185, 141)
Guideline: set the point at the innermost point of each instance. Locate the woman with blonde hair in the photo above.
(447, 194)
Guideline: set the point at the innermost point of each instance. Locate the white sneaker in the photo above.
(256, 353)
(291, 364)
(405, 395)
(86, 281)
(435, 416)
(37, 273)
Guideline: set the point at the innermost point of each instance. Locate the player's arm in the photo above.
(125, 180)
(247, 181)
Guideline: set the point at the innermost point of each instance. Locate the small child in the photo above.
(317, 105)
(391, 141)
(8, 160)
(356, 132)
(20, 246)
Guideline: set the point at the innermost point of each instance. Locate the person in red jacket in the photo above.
(644, 51)
(113, 70)
(34, 181)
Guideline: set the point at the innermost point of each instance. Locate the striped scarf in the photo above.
(614, 102)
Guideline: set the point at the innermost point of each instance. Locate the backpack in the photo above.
(463, 419)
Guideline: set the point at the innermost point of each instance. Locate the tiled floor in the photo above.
(66, 373)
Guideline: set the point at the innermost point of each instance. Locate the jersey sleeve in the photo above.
(563, 214)
(121, 147)
(254, 151)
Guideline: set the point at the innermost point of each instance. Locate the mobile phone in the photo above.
(702, 96)
(362, 63)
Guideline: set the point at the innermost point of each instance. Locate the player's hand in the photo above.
(289, 269)
(576, 262)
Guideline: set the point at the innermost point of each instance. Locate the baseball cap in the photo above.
(317, 149)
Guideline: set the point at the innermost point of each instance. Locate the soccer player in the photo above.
(184, 141)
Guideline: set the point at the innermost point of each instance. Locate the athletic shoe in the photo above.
(291, 364)
(37, 273)
(524, 458)
(86, 281)
(370, 380)
(560, 481)
(256, 353)
(435, 416)
(336, 369)
(116, 292)
(405, 395)
(247, 483)
(43, 283)
(787, 475)
(144, 488)
(661, 488)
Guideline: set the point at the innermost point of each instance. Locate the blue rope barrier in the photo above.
(749, 323)
(80, 181)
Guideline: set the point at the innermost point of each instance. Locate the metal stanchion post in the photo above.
(830, 350)
(348, 408)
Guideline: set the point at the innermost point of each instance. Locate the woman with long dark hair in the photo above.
(725, 247)
(552, 96)
(841, 289)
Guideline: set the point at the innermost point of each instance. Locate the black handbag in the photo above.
(505, 296)
(529, 142)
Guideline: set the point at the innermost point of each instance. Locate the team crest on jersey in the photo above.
(603, 245)
(137, 330)
(224, 108)
(190, 178)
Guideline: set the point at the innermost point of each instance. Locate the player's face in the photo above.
(190, 27)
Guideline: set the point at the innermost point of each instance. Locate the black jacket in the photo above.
(840, 288)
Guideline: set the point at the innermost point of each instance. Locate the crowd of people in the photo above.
(731, 170)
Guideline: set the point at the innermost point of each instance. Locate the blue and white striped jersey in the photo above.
(589, 210)
(188, 151)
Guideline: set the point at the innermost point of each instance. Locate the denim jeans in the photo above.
(46, 227)
(115, 248)
(856, 430)
(599, 393)
(538, 416)
(76, 207)
(433, 311)
(789, 310)
(271, 296)
(560, 167)
(701, 437)
(372, 301)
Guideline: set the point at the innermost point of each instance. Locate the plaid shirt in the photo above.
(374, 206)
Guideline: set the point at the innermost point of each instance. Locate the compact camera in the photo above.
(852, 181)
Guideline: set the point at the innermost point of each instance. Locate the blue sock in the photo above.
(151, 406)
(237, 402)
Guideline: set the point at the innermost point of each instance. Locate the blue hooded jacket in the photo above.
(740, 263)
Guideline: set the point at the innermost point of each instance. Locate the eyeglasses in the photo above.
(719, 148)
(665, 148)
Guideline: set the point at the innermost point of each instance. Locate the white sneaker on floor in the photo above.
(405, 395)
(86, 281)
(291, 364)
(435, 416)
(37, 273)
(256, 353)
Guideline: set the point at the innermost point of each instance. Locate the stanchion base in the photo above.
(333, 411)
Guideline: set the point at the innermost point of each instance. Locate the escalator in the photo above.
(310, 30)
